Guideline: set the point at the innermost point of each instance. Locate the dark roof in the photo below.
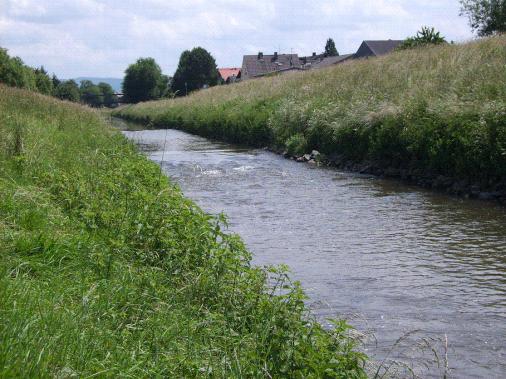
(382, 47)
(323, 61)
(252, 66)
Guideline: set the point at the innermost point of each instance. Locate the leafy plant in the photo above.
(426, 36)
(296, 145)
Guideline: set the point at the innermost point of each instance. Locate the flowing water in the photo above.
(389, 257)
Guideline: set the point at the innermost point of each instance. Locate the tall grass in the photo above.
(108, 271)
(439, 110)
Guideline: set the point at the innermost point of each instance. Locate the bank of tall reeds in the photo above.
(433, 111)
(106, 270)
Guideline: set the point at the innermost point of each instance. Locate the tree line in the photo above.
(145, 81)
(14, 72)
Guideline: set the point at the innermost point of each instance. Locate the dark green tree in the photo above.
(486, 17)
(43, 81)
(90, 94)
(196, 70)
(330, 48)
(426, 36)
(144, 81)
(56, 82)
(15, 73)
(109, 99)
(68, 90)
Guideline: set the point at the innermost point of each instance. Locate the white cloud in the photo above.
(53, 11)
(100, 38)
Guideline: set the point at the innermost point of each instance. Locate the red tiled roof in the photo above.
(228, 72)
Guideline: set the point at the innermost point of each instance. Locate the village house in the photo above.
(256, 66)
(376, 48)
(320, 60)
(229, 75)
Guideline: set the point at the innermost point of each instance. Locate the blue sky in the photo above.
(100, 38)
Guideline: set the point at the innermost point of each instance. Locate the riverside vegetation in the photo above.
(107, 270)
(433, 115)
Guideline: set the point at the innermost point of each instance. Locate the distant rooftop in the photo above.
(381, 47)
(260, 64)
(226, 73)
(321, 61)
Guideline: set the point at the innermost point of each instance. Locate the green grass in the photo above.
(436, 110)
(106, 270)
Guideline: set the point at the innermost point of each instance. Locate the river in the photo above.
(389, 257)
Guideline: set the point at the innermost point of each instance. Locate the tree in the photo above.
(13, 72)
(109, 99)
(68, 90)
(330, 48)
(144, 81)
(487, 17)
(426, 36)
(43, 81)
(56, 82)
(196, 69)
(90, 94)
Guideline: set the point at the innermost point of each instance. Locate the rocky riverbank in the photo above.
(493, 191)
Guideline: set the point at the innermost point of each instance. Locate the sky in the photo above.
(96, 38)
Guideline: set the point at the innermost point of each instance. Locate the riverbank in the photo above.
(425, 179)
(435, 116)
(108, 270)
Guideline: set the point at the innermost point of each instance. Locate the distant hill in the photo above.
(114, 82)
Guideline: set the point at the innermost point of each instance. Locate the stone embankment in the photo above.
(426, 179)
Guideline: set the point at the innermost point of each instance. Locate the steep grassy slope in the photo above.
(438, 111)
(106, 270)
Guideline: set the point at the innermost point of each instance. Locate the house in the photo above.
(317, 61)
(376, 48)
(255, 66)
(229, 75)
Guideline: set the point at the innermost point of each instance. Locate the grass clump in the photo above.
(106, 270)
(440, 110)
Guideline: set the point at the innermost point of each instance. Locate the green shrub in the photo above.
(296, 145)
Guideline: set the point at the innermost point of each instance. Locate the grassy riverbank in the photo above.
(435, 113)
(106, 270)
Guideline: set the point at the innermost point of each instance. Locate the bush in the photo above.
(296, 145)
(425, 37)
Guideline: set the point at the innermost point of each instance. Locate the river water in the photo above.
(391, 258)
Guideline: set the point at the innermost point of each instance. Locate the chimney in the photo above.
(275, 55)
(260, 55)
(314, 55)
